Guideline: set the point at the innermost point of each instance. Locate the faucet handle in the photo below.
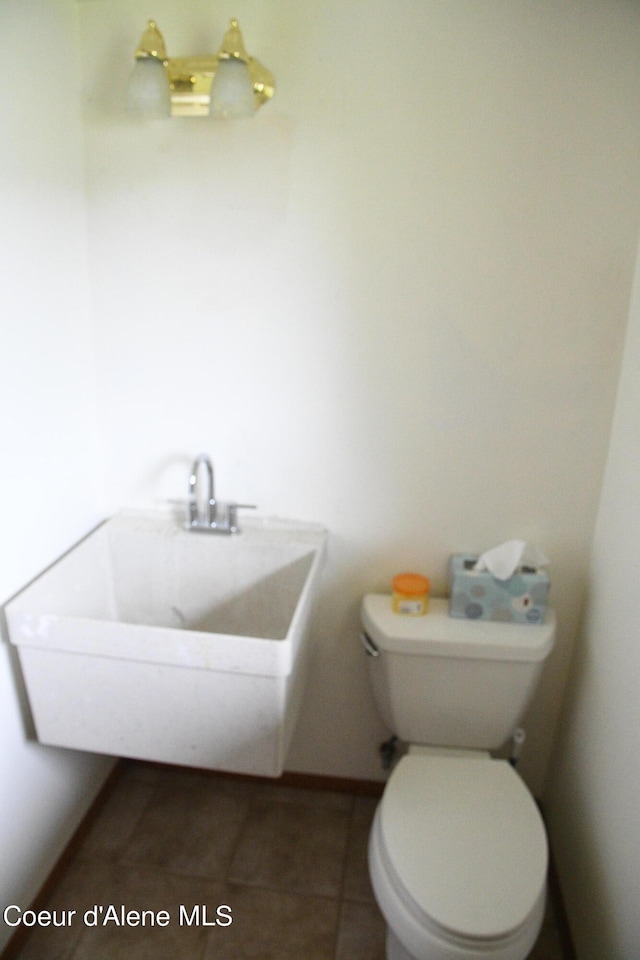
(233, 514)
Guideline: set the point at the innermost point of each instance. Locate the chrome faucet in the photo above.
(210, 515)
(197, 520)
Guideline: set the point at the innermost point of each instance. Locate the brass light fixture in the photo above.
(228, 83)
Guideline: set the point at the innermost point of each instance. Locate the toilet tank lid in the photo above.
(438, 634)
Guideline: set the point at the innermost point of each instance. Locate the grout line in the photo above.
(340, 898)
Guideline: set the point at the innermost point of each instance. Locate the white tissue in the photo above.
(503, 561)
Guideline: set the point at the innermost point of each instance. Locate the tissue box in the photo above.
(477, 595)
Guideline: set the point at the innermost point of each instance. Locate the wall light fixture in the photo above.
(228, 83)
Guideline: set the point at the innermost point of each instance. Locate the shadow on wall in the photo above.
(590, 907)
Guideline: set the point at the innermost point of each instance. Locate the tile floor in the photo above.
(289, 863)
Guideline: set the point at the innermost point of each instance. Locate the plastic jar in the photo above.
(410, 594)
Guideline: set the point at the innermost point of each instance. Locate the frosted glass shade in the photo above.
(232, 90)
(148, 90)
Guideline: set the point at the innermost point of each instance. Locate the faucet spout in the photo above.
(197, 517)
(208, 514)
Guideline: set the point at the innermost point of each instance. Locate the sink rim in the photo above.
(118, 639)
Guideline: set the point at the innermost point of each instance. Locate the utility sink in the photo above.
(151, 641)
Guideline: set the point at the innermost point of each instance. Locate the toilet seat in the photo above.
(464, 846)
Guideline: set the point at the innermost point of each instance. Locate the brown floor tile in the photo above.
(191, 825)
(94, 885)
(548, 946)
(141, 771)
(549, 943)
(272, 925)
(357, 885)
(81, 887)
(273, 792)
(286, 846)
(139, 889)
(362, 932)
(118, 818)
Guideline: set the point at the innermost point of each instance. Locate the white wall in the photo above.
(593, 796)
(47, 477)
(393, 303)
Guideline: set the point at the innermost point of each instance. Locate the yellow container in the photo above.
(410, 594)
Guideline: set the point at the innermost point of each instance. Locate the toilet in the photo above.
(458, 851)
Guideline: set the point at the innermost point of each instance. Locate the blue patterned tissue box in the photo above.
(478, 595)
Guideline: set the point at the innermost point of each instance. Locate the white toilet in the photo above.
(458, 850)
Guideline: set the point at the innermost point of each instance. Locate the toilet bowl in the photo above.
(458, 852)
(458, 859)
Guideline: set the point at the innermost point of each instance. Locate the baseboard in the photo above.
(309, 781)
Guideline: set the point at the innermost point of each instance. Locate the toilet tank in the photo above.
(449, 682)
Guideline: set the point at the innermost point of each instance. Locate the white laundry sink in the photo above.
(147, 640)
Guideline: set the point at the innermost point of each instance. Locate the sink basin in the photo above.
(147, 640)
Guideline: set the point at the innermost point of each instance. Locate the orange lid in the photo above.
(411, 584)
